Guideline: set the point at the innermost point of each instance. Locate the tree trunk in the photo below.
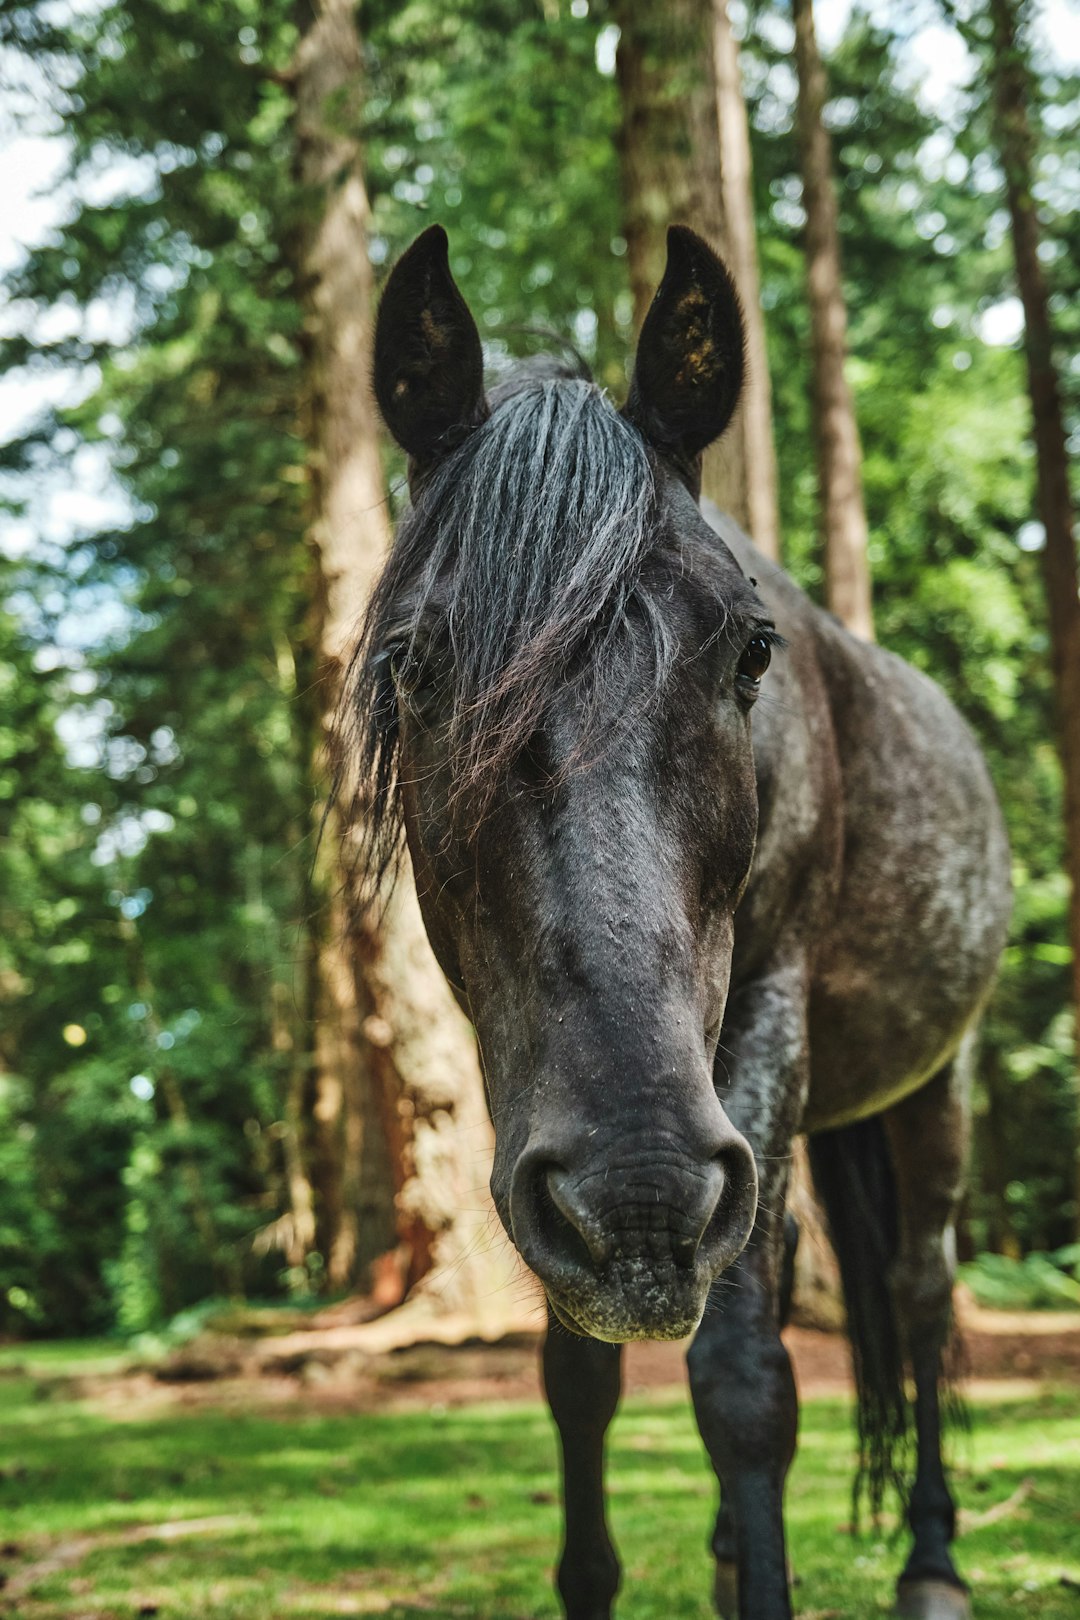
(737, 196)
(669, 150)
(1016, 143)
(818, 1300)
(396, 1079)
(839, 454)
(349, 532)
(678, 74)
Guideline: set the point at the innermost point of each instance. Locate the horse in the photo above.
(705, 872)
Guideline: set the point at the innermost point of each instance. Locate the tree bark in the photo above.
(839, 453)
(348, 533)
(818, 1300)
(1016, 143)
(398, 1100)
(737, 197)
(669, 151)
(685, 155)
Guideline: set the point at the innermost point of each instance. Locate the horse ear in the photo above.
(429, 366)
(689, 366)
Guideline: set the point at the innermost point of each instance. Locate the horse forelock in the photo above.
(524, 567)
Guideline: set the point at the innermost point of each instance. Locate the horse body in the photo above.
(682, 938)
(867, 770)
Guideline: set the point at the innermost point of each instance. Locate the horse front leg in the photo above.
(747, 1411)
(723, 1542)
(741, 1380)
(582, 1381)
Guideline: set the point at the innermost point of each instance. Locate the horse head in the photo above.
(552, 701)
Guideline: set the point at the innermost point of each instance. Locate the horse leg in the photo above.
(787, 1268)
(928, 1134)
(746, 1407)
(723, 1541)
(740, 1374)
(582, 1380)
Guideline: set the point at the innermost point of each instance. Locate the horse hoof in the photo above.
(931, 1600)
(726, 1589)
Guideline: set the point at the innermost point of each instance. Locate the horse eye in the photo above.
(756, 658)
(416, 677)
(402, 667)
(406, 668)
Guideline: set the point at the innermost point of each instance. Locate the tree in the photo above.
(159, 956)
(844, 532)
(393, 1053)
(173, 639)
(201, 782)
(947, 488)
(349, 534)
(737, 189)
(1016, 143)
(684, 147)
(669, 150)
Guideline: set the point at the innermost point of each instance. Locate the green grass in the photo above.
(452, 1513)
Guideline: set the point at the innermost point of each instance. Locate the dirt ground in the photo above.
(330, 1366)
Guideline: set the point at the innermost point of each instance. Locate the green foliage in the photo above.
(1038, 1282)
(949, 483)
(492, 117)
(157, 717)
(162, 866)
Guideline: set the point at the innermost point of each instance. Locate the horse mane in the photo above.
(522, 567)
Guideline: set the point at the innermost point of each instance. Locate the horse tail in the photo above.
(853, 1176)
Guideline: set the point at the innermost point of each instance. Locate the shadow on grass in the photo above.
(452, 1513)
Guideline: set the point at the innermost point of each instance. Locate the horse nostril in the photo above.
(684, 1251)
(685, 1245)
(567, 1201)
(666, 1209)
(735, 1207)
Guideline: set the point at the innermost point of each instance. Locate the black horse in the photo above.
(682, 938)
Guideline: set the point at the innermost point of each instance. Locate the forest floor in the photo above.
(317, 1481)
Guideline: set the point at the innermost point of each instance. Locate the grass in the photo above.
(451, 1514)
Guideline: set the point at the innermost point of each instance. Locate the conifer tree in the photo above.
(1016, 143)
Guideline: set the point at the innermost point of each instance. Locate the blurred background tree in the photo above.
(166, 1121)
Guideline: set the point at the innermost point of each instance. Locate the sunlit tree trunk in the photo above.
(817, 1282)
(740, 240)
(685, 153)
(669, 151)
(403, 1145)
(1015, 139)
(839, 453)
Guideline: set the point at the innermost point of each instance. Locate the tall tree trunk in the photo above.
(685, 153)
(818, 1299)
(669, 150)
(839, 453)
(349, 532)
(396, 1078)
(1015, 139)
(668, 146)
(740, 240)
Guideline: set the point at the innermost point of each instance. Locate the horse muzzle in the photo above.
(628, 1244)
